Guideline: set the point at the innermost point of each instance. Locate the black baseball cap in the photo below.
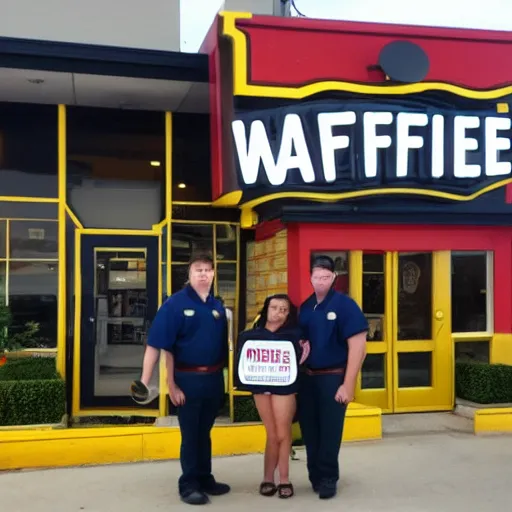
(322, 261)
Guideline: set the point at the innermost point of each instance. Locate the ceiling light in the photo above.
(155, 163)
(182, 185)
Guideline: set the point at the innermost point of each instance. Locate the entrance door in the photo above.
(118, 301)
(406, 298)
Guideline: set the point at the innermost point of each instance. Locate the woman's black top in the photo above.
(291, 334)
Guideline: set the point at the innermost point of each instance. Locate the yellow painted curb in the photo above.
(21, 449)
(497, 420)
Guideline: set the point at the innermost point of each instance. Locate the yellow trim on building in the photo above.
(62, 289)
(501, 349)
(23, 199)
(493, 421)
(242, 87)
(329, 197)
(109, 445)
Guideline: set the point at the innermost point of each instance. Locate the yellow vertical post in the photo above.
(391, 298)
(355, 289)
(443, 357)
(162, 403)
(214, 244)
(393, 339)
(232, 341)
(61, 309)
(7, 256)
(77, 325)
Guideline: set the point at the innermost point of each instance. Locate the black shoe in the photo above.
(195, 498)
(327, 490)
(216, 489)
(315, 487)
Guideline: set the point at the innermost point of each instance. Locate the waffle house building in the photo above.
(387, 147)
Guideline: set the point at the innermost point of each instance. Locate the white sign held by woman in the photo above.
(268, 363)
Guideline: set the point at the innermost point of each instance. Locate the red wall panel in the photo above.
(305, 238)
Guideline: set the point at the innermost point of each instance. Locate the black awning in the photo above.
(102, 60)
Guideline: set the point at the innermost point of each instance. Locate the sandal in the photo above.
(285, 490)
(268, 489)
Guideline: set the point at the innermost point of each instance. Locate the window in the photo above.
(33, 298)
(116, 159)
(189, 239)
(471, 292)
(28, 150)
(29, 276)
(374, 294)
(191, 165)
(475, 351)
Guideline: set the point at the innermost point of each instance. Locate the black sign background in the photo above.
(350, 173)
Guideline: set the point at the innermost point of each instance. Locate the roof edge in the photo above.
(102, 60)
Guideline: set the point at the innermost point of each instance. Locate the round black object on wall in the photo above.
(403, 61)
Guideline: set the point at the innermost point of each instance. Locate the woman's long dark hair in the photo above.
(291, 320)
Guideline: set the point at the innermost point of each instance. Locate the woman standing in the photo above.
(276, 404)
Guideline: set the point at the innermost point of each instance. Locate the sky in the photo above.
(197, 15)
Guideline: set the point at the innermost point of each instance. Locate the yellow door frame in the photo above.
(77, 410)
(438, 397)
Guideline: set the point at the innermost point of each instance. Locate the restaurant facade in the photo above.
(385, 146)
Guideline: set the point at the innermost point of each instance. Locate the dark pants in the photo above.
(203, 399)
(321, 421)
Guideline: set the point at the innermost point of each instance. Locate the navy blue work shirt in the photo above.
(328, 326)
(193, 330)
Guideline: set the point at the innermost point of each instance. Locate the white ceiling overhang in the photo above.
(53, 87)
(99, 76)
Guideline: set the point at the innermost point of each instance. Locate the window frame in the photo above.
(489, 292)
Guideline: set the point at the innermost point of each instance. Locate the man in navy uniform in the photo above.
(336, 329)
(191, 329)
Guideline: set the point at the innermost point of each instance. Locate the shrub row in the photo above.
(31, 392)
(32, 402)
(483, 383)
(29, 368)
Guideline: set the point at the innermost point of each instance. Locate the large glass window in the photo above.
(3, 298)
(33, 239)
(29, 278)
(374, 294)
(33, 298)
(471, 292)
(116, 167)
(121, 327)
(219, 241)
(28, 150)
(191, 171)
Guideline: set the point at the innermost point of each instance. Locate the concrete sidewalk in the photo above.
(444, 472)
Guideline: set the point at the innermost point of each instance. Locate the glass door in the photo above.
(406, 298)
(119, 276)
(422, 348)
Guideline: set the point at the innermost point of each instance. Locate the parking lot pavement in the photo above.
(441, 472)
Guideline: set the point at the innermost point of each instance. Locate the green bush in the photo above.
(483, 383)
(245, 410)
(29, 368)
(32, 402)
(11, 340)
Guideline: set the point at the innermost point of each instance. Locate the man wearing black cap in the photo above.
(336, 329)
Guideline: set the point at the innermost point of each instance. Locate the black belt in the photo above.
(324, 371)
(200, 369)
